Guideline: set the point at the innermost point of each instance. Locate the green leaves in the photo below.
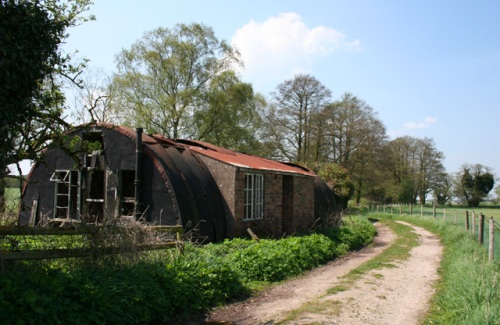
(475, 182)
(164, 79)
(171, 287)
(31, 68)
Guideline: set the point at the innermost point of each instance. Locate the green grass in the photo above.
(12, 196)
(441, 211)
(167, 286)
(405, 240)
(469, 289)
(456, 216)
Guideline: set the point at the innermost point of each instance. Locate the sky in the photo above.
(428, 68)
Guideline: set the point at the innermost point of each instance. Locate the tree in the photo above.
(443, 191)
(31, 67)
(431, 171)
(230, 117)
(353, 137)
(165, 79)
(473, 183)
(92, 98)
(338, 179)
(290, 121)
(417, 168)
(497, 193)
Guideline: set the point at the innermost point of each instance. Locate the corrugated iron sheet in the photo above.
(248, 161)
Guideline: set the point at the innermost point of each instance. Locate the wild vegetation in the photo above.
(300, 122)
(166, 285)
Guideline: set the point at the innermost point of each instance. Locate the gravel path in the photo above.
(398, 295)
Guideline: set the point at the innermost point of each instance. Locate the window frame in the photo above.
(253, 204)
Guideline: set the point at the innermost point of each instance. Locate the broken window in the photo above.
(95, 196)
(127, 184)
(65, 193)
(94, 143)
(254, 196)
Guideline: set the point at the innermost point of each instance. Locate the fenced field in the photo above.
(457, 216)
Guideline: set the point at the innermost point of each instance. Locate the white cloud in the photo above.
(283, 45)
(427, 122)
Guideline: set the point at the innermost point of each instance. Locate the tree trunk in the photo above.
(2, 189)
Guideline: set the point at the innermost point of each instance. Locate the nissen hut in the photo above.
(219, 193)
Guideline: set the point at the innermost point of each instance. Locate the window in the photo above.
(254, 196)
(127, 190)
(66, 193)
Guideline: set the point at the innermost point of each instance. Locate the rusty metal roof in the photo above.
(227, 156)
(243, 160)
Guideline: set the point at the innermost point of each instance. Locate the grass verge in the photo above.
(469, 289)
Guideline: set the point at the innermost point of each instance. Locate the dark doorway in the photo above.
(287, 204)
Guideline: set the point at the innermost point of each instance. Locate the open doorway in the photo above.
(287, 204)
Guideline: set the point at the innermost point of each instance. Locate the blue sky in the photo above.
(428, 68)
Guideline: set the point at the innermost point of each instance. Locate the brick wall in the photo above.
(288, 201)
(303, 209)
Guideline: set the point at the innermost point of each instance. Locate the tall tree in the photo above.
(353, 137)
(431, 171)
(473, 183)
(296, 101)
(230, 117)
(31, 67)
(417, 168)
(443, 191)
(165, 79)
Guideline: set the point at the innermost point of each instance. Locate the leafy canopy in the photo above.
(31, 68)
(179, 82)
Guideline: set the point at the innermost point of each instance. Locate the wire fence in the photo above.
(483, 228)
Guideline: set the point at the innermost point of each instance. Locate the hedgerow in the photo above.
(161, 289)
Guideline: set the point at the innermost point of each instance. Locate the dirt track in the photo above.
(398, 295)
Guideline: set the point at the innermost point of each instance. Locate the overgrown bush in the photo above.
(160, 289)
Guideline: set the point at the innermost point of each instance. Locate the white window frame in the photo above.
(254, 197)
(65, 191)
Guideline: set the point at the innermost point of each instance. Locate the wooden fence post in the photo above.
(400, 209)
(492, 239)
(421, 210)
(444, 214)
(473, 223)
(434, 211)
(34, 213)
(481, 228)
(411, 209)
(455, 216)
(466, 220)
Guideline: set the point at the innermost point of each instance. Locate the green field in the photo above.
(454, 215)
(12, 196)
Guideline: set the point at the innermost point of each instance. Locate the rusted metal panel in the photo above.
(248, 161)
